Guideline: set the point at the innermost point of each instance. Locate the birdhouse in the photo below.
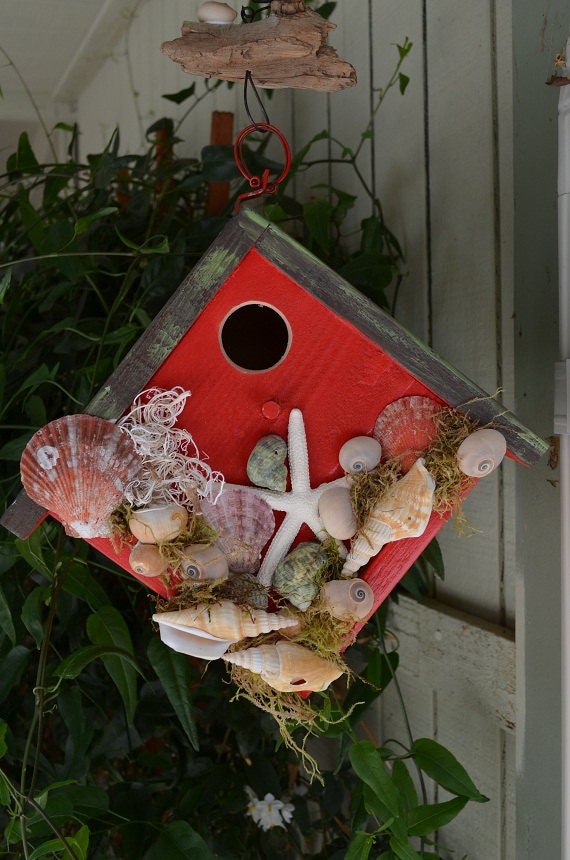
(266, 343)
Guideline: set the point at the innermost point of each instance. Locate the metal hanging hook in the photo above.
(249, 82)
(249, 14)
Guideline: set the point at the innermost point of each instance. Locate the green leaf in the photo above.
(107, 627)
(359, 846)
(368, 764)
(79, 844)
(13, 666)
(74, 664)
(32, 612)
(174, 673)
(6, 623)
(424, 819)
(26, 160)
(405, 784)
(326, 10)
(442, 766)
(403, 81)
(403, 850)
(83, 224)
(80, 582)
(155, 245)
(218, 163)
(3, 744)
(434, 557)
(5, 282)
(179, 841)
(181, 95)
(31, 551)
(317, 216)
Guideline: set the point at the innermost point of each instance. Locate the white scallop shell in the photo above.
(146, 560)
(287, 667)
(347, 599)
(335, 510)
(203, 561)
(158, 524)
(212, 12)
(243, 523)
(481, 452)
(360, 454)
(402, 511)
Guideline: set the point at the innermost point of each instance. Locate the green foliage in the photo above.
(111, 744)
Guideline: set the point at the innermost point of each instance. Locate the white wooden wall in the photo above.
(465, 166)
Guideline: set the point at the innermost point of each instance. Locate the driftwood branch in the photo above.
(282, 50)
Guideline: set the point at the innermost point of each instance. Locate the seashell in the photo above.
(245, 589)
(481, 452)
(405, 428)
(402, 511)
(360, 454)
(335, 510)
(287, 667)
(146, 560)
(78, 467)
(212, 12)
(225, 620)
(295, 577)
(158, 524)
(191, 641)
(347, 599)
(266, 464)
(244, 523)
(203, 561)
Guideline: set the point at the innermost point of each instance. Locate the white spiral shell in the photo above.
(347, 599)
(360, 454)
(481, 452)
(146, 560)
(203, 561)
(158, 524)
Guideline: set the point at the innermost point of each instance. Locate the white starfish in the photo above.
(300, 503)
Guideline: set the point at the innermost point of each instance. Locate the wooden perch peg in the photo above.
(286, 49)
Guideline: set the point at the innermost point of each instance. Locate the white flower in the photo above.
(268, 812)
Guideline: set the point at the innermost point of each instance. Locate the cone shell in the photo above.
(287, 667)
(481, 452)
(405, 429)
(225, 620)
(295, 576)
(146, 560)
(244, 523)
(402, 511)
(78, 467)
(335, 510)
(158, 524)
(266, 464)
(347, 599)
(360, 454)
(203, 561)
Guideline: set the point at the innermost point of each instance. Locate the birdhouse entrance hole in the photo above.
(255, 337)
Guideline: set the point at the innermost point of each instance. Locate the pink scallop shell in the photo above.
(405, 428)
(78, 467)
(244, 524)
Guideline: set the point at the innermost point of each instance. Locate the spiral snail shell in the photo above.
(347, 599)
(146, 560)
(360, 454)
(158, 524)
(202, 561)
(481, 452)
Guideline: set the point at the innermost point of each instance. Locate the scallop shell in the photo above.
(159, 523)
(347, 599)
(146, 560)
(244, 523)
(78, 467)
(405, 428)
(213, 12)
(402, 511)
(295, 577)
(203, 561)
(266, 464)
(287, 667)
(481, 452)
(360, 454)
(335, 510)
(225, 620)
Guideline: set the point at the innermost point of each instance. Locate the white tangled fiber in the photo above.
(173, 470)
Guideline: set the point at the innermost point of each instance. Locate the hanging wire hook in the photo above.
(249, 81)
(248, 13)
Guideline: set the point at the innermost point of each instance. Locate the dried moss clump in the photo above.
(367, 487)
(441, 460)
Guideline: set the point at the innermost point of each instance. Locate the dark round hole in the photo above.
(255, 337)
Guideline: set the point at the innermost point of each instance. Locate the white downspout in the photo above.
(562, 429)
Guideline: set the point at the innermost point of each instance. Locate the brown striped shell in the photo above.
(78, 467)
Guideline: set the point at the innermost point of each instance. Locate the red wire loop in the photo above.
(259, 184)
